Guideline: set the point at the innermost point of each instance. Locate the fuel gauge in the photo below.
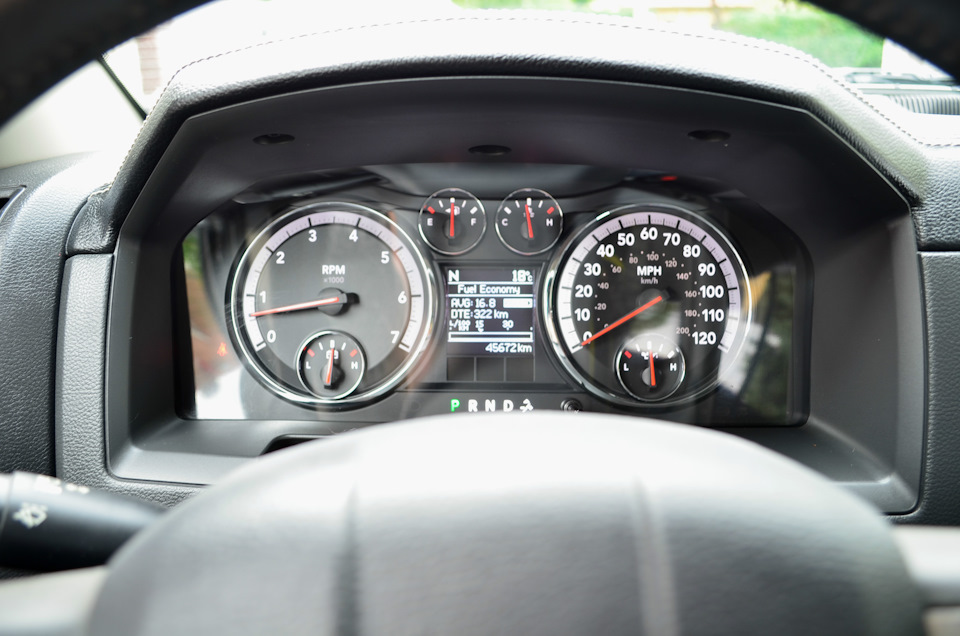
(452, 221)
(529, 221)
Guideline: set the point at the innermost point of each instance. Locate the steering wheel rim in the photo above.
(539, 523)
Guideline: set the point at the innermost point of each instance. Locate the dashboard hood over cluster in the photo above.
(542, 46)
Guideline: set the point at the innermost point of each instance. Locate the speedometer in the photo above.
(648, 305)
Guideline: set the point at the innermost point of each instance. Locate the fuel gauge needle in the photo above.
(636, 312)
(330, 300)
(452, 215)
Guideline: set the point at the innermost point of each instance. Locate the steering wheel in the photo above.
(549, 523)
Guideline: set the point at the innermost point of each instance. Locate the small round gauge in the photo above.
(650, 367)
(452, 221)
(639, 290)
(331, 272)
(529, 221)
(331, 364)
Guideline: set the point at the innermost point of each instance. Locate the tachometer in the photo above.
(331, 304)
(648, 304)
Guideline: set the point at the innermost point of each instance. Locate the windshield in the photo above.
(145, 64)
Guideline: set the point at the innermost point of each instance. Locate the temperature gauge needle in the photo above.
(632, 314)
(339, 299)
(529, 222)
(653, 374)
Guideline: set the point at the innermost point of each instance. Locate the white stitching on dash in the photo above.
(752, 43)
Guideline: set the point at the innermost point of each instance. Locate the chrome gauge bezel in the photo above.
(416, 353)
(550, 318)
(503, 239)
(466, 195)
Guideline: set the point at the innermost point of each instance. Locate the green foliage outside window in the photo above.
(829, 38)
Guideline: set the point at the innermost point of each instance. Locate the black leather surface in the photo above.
(42, 42)
(33, 230)
(548, 524)
(940, 489)
(928, 27)
(79, 397)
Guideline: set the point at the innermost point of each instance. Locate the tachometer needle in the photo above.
(632, 314)
(332, 300)
(529, 222)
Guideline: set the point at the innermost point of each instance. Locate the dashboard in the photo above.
(628, 291)
(291, 251)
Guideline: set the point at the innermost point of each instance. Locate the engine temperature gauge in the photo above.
(529, 221)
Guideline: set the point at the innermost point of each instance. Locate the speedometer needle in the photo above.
(332, 300)
(632, 314)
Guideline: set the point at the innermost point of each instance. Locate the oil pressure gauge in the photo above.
(332, 364)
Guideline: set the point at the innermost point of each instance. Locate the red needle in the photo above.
(333, 300)
(610, 328)
(529, 224)
(653, 375)
(329, 379)
(451, 218)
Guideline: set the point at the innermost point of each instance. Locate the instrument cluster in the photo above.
(652, 296)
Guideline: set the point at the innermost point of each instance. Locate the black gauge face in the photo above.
(332, 364)
(331, 268)
(529, 221)
(650, 367)
(648, 282)
(452, 221)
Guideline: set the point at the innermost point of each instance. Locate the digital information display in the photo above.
(490, 311)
